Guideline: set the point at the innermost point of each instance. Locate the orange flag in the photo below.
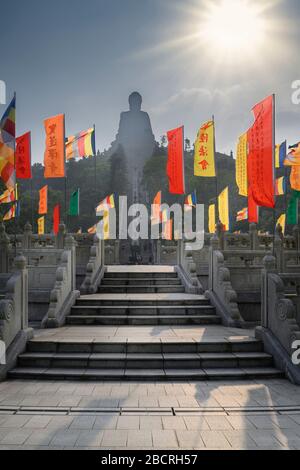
(295, 178)
(156, 209)
(54, 158)
(43, 204)
(168, 230)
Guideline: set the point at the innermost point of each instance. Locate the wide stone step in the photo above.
(144, 375)
(145, 361)
(140, 289)
(140, 275)
(121, 300)
(143, 320)
(140, 282)
(153, 347)
(146, 310)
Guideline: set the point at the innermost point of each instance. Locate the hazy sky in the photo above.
(83, 58)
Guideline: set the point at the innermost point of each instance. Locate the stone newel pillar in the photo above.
(269, 263)
(20, 265)
(27, 237)
(60, 238)
(4, 247)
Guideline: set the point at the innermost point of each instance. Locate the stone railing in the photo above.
(186, 268)
(64, 294)
(95, 268)
(280, 324)
(14, 331)
(111, 252)
(220, 290)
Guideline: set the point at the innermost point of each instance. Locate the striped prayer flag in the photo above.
(13, 212)
(293, 157)
(7, 145)
(92, 230)
(10, 195)
(280, 155)
(81, 145)
(190, 201)
(242, 215)
(280, 186)
(106, 204)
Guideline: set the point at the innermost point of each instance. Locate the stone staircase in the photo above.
(145, 306)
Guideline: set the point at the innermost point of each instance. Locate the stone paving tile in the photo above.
(83, 422)
(264, 439)
(114, 438)
(90, 439)
(173, 422)
(60, 422)
(194, 423)
(41, 437)
(240, 422)
(218, 423)
(65, 438)
(165, 439)
(168, 402)
(263, 422)
(214, 440)
(16, 437)
(139, 438)
(295, 418)
(106, 422)
(239, 440)
(151, 423)
(148, 402)
(15, 421)
(189, 439)
(38, 422)
(287, 437)
(128, 422)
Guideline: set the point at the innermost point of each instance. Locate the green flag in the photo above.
(292, 211)
(74, 204)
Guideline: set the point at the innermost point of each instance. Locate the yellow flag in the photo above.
(224, 208)
(212, 218)
(41, 225)
(241, 165)
(106, 228)
(205, 151)
(282, 221)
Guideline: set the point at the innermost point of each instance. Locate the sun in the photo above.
(232, 27)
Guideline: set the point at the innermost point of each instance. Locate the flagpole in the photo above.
(216, 171)
(31, 189)
(274, 170)
(65, 178)
(15, 169)
(95, 161)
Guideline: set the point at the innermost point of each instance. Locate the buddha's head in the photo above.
(135, 101)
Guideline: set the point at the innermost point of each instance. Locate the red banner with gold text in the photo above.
(23, 156)
(175, 167)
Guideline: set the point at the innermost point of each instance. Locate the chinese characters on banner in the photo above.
(205, 151)
(261, 154)
(241, 165)
(23, 156)
(43, 203)
(54, 158)
(175, 167)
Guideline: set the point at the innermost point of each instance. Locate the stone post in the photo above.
(220, 234)
(27, 237)
(70, 245)
(158, 251)
(20, 265)
(296, 233)
(214, 246)
(4, 248)
(117, 251)
(254, 241)
(60, 237)
(278, 250)
(269, 263)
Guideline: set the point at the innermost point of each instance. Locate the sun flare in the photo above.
(233, 27)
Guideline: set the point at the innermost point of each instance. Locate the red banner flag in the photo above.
(23, 156)
(56, 219)
(43, 203)
(175, 167)
(261, 154)
(54, 158)
(253, 209)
